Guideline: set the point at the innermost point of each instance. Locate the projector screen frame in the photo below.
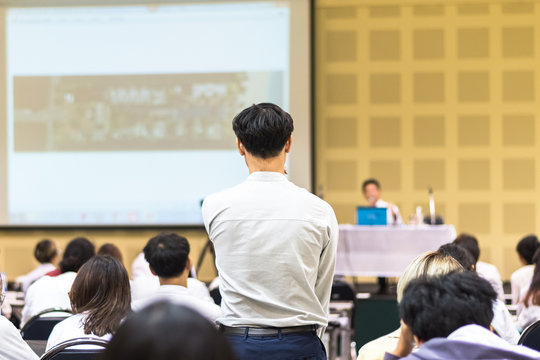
(307, 134)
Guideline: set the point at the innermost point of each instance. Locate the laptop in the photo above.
(367, 215)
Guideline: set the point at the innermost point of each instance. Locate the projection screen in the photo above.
(120, 114)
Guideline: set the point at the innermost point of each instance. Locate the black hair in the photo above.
(45, 251)
(263, 129)
(163, 331)
(437, 306)
(370, 182)
(167, 254)
(78, 251)
(527, 246)
(469, 243)
(460, 254)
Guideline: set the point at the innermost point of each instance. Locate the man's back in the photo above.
(275, 252)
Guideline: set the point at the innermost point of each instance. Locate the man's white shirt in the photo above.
(390, 220)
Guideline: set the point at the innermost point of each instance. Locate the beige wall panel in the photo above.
(428, 44)
(518, 86)
(518, 130)
(342, 175)
(385, 131)
(384, 11)
(428, 87)
(341, 132)
(428, 10)
(473, 43)
(516, 7)
(346, 12)
(473, 130)
(345, 213)
(341, 89)
(385, 88)
(429, 173)
(474, 174)
(472, 9)
(518, 218)
(388, 172)
(518, 41)
(429, 131)
(473, 86)
(519, 174)
(474, 218)
(341, 46)
(384, 45)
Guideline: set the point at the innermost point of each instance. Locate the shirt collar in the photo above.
(266, 176)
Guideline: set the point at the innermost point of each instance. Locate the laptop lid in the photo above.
(366, 215)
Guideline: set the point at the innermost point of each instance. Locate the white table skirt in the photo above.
(386, 250)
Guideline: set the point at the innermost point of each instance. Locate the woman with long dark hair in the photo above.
(529, 308)
(100, 299)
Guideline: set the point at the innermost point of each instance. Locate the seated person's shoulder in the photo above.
(375, 349)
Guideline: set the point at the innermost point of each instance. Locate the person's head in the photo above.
(372, 191)
(263, 130)
(526, 248)
(460, 254)
(429, 264)
(163, 331)
(168, 255)
(437, 306)
(112, 250)
(101, 290)
(45, 251)
(469, 243)
(78, 251)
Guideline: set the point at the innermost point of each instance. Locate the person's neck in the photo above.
(273, 164)
(178, 281)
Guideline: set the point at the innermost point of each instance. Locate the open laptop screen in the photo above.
(370, 216)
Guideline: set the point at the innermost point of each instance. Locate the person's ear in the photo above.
(288, 145)
(417, 341)
(188, 264)
(241, 148)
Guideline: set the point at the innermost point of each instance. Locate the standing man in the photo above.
(372, 192)
(275, 247)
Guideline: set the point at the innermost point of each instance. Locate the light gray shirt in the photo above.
(275, 249)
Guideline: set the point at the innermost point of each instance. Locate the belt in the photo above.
(265, 331)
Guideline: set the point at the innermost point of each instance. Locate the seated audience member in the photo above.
(52, 292)
(112, 250)
(502, 320)
(485, 270)
(529, 308)
(145, 283)
(12, 347)
(449, 317)
(430, 264)
(168, 256)
(46, 253)
(100, 299)
(521, 278)
(171, 332)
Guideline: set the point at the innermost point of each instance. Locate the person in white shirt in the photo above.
(13, 346)
(521, 278)
(275, 246)
(485, 270)
(46, 253)
(52, 292)
(168, 257)
(372, 192)
(100, 298)
(528, 310)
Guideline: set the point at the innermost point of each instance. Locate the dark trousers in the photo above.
(298, 346)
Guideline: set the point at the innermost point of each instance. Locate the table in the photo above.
(385, 251)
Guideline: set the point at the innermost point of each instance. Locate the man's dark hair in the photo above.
(370, 182)
(78, 251)
(460, 254)
(527, 246)
(263, 129)
(45, 251)
(469, 243)
(437, 306)
(163, 331)
(167, 254)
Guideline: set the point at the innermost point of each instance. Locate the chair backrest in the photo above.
(39, 327)
(531, 336)
(71, 349)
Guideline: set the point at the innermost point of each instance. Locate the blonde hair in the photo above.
(432, 263)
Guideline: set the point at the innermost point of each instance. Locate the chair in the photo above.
(531, 336)
(39, 327)
(70, 350)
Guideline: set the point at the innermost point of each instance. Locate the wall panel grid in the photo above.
(432, 93)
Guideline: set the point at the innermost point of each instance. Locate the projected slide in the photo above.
(122, 115)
